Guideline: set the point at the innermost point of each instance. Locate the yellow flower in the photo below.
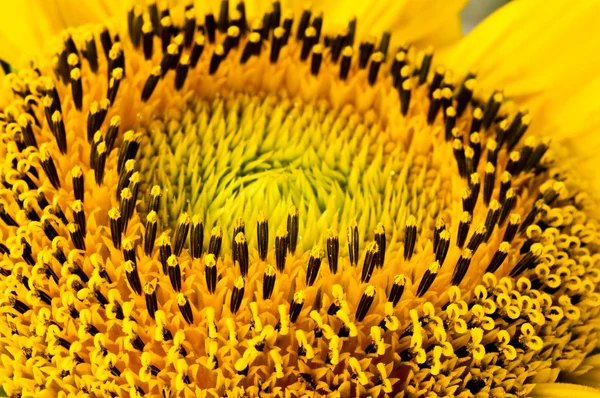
(237, 204)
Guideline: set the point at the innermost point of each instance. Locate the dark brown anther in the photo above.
(181, 233)
(450, 114)
(531, 216)
(231, 40)
(517, 129)
(99, 154)
(281, 248)
(129, 250)
(476, 120)
(499, 257)
(164, 251)
(492, 218)
(410, 237)
(314, 264)
(296, 305)
(127, 152)
(404, 91)
(353, 243)
(124, 176)
(463, 229)
(437, 80)
(268, 281)
(155, 194)
(151, 83)
(251, 48)
(365, 50)
(440, 225)
(459, 155)
(303, 24)
(196, 237)
(166, 32)
(49, 167)
(428, 278)
(397, 289)
(77, 236)
(381, 244)
(464, 96)
(174, 272)
(150, 232)
(475, 186)
(237, 295)
(477, 238)
(169, 59)
(470, 166)
(425, 66)
(91, 53)
(365, 303)
(106, 41)
(114, 83)
(262, 234)
(126, 206)
(308, 42)
(77, 88)
(491, 109)
(154, 15)
(371, 255)
(185, 308)
(240, 253)
(79, 215)
(384, 44)
(462, 266)
(333, 250)
(316, 60)
(77, 178)
(505, 183)
(468, 201)
(488, 183)
(189, 28)
(181, 72)
(223, 21)
(528, 261)
(345, 62)
(216, 59)
(507, 205)
(216, 237)
(112, 132)
(525, 154)
(151, 299)
(276, 44)
(210, 26)
(376, 60)
(210, 273)
(537, 154)
(288, 23)
(197, 50)
(148, 40)
(442, 247)
(434, 106)
(513, 163)
(475, 143)
(96, 117)
(492, 151)
(27, 129)
(58, 129)
(238, 227)
(398, 63)
(292, 228)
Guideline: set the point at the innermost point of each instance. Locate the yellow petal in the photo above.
(544, 58)
(560, 390)
(25, 26)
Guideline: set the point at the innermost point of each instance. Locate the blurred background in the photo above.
(477, 10)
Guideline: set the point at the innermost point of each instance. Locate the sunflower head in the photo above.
(217, 207)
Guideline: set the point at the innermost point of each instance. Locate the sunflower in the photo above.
(228, 203)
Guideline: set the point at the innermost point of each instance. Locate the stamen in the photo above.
(231, 40)
(181, 232)
(296, 305)
(262, 233)
(198, 48)
(281, 248)
(470, 166)
(189, 28)
(166, 32)
(210, 25)
(476, 120)
(507, 206)
(443, 246)
(512, 228)
(174, 271)
(133, 277)
(252, 47)
(440, 225)
(513, 162)
(492, 218)
(365, 303)
(237, 295)
(499, 257)
(151, 299)
(475, 143)
(531, 216)
(79, 215)
(462, 266)
(353, 243)
(371, 255)
(77, 88)
(196, 237)
(459, 155)
(268, 281)
(76, 236)
(477, 238)
(488, 183)
(106, 41)
(463, 229)
(428, 278)
(91, 53)
(112, 132)
(468, 201)
(308, 41)
(210, 273)
(126, 206)
(404, 90)
(436, 81)
(49, 167)
(155, 194)
(185, 308)
(216, 237)
(397, 289)
(434, 106)
(215, 61)
(150, 232)
(381, 244)
(100, 160)
(58, 129)
(240, 253)
(77, 179)
(181, 72)
(276, 44)
(410, 237)
(147, 40)
(314, 264)
(164, 251)
(464, 96)
(528, 261)
(492, 108)
(492, 151)
(223, 21)
(303, 24)
(170, 59)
